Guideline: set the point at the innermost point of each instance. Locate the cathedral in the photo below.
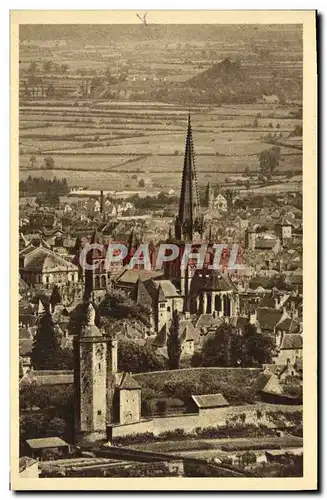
(204, 291)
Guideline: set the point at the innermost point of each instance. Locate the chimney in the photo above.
(276, 303)
(101, 202)
(253, 318)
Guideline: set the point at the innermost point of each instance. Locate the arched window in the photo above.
(217, 303)
(97, 282)
(103, 282)
(227, 305)
(208, 311)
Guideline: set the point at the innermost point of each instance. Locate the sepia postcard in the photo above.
(163, 250)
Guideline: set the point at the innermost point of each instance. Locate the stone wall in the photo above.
(206, 418)
(131, 429)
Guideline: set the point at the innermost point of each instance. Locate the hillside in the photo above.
(234, 82)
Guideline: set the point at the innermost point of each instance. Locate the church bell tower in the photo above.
(189, 220)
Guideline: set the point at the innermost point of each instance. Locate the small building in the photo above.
(207, 403)
(220, 203)
(128, 399)
(42, 266)
(28, 467)
(289, 348)
(268, 383)
(276, 455)
(38, 447)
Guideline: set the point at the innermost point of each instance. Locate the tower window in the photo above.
(99, 366)
(99, 412)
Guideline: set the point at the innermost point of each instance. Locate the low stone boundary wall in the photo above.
(250, 414)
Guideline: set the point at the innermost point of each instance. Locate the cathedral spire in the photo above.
(189, 219)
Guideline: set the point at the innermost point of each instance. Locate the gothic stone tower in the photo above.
(95, 366)
(189, 220)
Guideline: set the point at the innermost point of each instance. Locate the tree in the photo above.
(64, 68)
(32, 161)
(135, 358)
(258, 347)
(56, 427)
(161, 406)
(297, 131)
(46, 346)
(229, 347)
(174, 345)
(146, 409)
(32, 68)
(117, 305)
(249, 457)
(55, 298)
(49, 162)
(47, 66)
(269, 160)
(216, 350)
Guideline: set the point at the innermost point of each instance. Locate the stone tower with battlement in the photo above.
(95, 367)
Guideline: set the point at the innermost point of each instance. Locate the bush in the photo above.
(162, 406)
(146, 409)
(176, 434)
(134, 439)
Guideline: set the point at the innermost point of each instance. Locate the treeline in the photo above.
(40, 185)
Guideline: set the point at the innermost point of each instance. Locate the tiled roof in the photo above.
(50, 442)
(263, 380)
(268, 317)
(167, 288)
(130, 276)
(25, 346)
(129, 383)
(292, 341)
(289, 325)
(188, 331)
(141, 293)
(210, 401)
(206, 320)
(208, 279)
(265, 243)
(41, 259)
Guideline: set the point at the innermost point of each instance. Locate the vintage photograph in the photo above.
(160, 233)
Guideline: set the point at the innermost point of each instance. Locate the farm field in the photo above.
(200, 447)
(113, 139)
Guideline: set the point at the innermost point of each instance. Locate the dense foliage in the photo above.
(39, 185)
(136, 358)
(174, 344)
(229, 347)
(47, 352)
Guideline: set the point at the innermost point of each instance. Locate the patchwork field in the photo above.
(107, 140)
